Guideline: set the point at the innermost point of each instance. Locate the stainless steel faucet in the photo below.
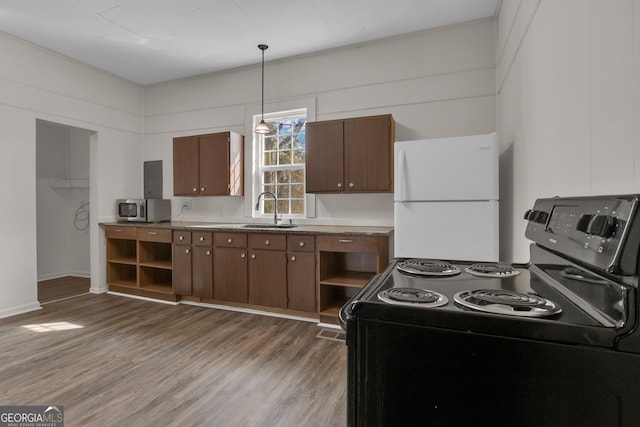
(275, 205)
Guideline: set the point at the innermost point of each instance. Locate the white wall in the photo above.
(435, 83)
(568, 104)
(36, 84)
(62, 169)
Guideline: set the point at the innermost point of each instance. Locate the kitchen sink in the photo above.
(269, 226)
(258, 226)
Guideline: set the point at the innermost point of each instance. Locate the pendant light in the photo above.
(262, 127)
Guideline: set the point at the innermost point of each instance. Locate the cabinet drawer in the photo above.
(115, 232)
(154, 235)
(346, 243)
(202, 238)
(230, 240)
(276, 242)
(182, 237)
(301, 243)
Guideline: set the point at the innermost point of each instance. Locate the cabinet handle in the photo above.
(195, 190)
(243, 255)
(301, 244)
(119, 230)
(181, 238)
(253, 256)
(202, 189)
(208, 252)
(186, 251)
(202, 238)
(293, 258)
(339, 185)
(229, 240)
(351, 185)
(153, 233)
(345, 241)
(267, 242)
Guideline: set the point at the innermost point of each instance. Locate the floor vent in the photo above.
(331, 334)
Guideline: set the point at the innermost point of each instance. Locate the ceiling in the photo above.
(151, 41)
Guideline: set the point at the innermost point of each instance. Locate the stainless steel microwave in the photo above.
(143, 210)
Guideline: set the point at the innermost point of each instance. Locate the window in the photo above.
(281, 163)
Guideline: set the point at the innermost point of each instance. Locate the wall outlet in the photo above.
(186, 203)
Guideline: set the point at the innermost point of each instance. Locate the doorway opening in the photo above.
(62, 209)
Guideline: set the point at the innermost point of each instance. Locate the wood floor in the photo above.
(116, 361)
(62, 287)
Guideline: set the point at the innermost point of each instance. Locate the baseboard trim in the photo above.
(14, 311)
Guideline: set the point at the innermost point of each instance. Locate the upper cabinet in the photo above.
(208, 165)
(350, 155)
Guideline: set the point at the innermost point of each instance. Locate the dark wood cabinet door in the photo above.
(301, 281)
(202, 281)
(214, 164)
(185, 166)
(324, 156)
(182, 269)
(268, 278)
(368, 154)
(230, 274)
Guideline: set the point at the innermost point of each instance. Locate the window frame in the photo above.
(260, 168)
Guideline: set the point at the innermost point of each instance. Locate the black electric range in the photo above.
(553, 342)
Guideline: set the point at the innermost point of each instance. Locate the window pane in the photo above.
(283, 206)
(297, 207)
(284, 176)
(297, 175)
(268, 205)
(271, 188)
(298, 141)
(269, 177)
(298, 157)
(297, 191)
(285, 143)
(285, 128)
(298, 124)
(284, 157)
(270, 143)
(283, 192)
(270, 158)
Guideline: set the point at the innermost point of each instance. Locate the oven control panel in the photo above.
(594, 230)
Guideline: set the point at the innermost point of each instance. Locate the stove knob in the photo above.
(583, 223)
(603, 226)
(539, 217)
(542, 217)
(527, 213)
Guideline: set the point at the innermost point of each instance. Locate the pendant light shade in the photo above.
(262, 127)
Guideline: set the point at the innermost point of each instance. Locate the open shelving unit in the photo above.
(139, 261)
(345, 265)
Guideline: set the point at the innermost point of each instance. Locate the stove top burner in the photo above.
(492, 270)
(428, 267)
(413, 297)
(507, 302)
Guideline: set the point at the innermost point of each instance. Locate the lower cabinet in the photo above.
(193, 264)
(268, 270)
(301, 273)
(202, 273)
(230, 267)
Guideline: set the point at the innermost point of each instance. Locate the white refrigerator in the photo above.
(446, 198)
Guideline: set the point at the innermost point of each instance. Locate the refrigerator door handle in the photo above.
(400, 196)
